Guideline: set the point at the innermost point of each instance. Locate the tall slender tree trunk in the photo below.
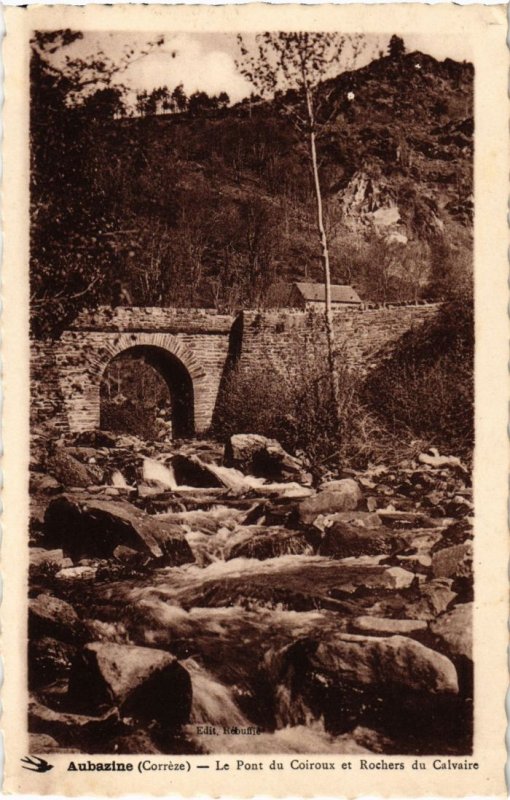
(330, 330)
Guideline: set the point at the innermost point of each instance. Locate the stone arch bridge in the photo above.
(193, 350)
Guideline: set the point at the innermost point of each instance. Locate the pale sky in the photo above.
(207, 61)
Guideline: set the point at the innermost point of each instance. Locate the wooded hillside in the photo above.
(208, 204)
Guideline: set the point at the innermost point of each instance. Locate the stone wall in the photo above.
(66, 373)
(281, 337)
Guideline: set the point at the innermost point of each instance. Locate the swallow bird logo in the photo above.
(36, 764)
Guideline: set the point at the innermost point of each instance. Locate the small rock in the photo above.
(50, 616)
(42, 743)
(76, 573)
(38, 557)
(406, 519)
(420, 562)
(342, 540)
(71, 472)
(260, 542)
(48, 660)
(437, 461)
(144, 683)
(360, 519)
(67, 726)
(454, 562)
(434, 598)
(45, 484)
(454, 630)
(395, 578)
(192, 471)
(125, 554)
(383, 625)
(329, 502)
(96, 438)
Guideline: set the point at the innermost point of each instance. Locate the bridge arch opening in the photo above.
(148, 391)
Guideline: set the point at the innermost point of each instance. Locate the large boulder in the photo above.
(392, 683)
(370, 661)
(142, 682)
(71, 472)
(454, 631)
(257, 541)
(86, 528)
(345, 497)
(50, 616)
(264, 458)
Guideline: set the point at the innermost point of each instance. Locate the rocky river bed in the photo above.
(190, 598)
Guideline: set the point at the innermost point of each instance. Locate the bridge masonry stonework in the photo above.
(66, 373)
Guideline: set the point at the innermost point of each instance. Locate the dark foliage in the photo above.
(426, 386)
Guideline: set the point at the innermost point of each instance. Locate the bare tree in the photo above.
(293, 66)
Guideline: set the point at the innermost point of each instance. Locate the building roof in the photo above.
(315, 292)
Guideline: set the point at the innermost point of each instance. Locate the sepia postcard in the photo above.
(255, 400)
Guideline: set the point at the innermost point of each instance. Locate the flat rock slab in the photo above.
(385, 626)
(68, 727)
(299, 584)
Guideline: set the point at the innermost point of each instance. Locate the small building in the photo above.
(311, 296)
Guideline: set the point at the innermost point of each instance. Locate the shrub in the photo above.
(128, 417)
(426, 385)
(296, 407)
